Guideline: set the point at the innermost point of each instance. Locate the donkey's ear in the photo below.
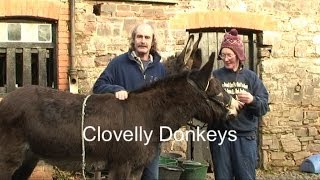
(185, 54)
(195, 61)
(206, 70)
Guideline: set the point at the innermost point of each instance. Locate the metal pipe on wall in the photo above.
(73, 75)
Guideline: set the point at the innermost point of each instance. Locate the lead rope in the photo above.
(207, 86)
(236, 78)
(82, 137)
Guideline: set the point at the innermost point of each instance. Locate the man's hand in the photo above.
(245, 97)
(121, 95)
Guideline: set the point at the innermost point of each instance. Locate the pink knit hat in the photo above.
(234, 42)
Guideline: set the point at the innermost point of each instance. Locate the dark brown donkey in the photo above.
(38, 122)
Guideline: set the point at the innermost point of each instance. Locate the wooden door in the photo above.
(25, 63)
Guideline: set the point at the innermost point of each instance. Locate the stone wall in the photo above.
(290, 63)
(102, 37)
(290, 131)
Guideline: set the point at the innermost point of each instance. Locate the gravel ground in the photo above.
(261, 175)
(290, 175)
(287, 175)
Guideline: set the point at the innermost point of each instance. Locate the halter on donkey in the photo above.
(43, 123)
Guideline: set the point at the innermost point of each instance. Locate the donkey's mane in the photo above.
(167, 81)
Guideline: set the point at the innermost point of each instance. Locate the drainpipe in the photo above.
(73, 75)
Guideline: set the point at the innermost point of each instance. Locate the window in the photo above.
(27, 54)
(14, 32)
(25, 32)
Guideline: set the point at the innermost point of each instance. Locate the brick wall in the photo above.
(53, 10)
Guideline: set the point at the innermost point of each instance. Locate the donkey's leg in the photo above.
(120, 172)
(25, 170)
(5, 175)
(137, 174)
(12, 148)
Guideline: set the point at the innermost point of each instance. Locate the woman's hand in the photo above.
(245, 97)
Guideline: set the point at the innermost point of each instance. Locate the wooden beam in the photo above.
(25, 45)
(42, 60)
(11, 69)
(26, 66)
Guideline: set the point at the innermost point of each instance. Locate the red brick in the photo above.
(32, 10)
(64, 40)
(9, 8)
(63, 70)
(64, 17)
(2, 9)
(63, 57)
(63, 28)
(63, 23)
(16, 7)
(63, 52)
(62, 46)
(63, 87)
(63, 75)
(41, 11)
(63, 81)
(24, 8)
(63, 34)
(64, 10)
(63, 63)
(54, 10)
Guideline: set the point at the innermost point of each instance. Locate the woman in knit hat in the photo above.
(237, 156)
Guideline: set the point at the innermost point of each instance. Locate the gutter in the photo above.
(73, 75)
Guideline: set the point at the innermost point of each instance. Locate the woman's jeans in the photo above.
(235, 159)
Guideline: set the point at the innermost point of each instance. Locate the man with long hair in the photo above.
(132, 70)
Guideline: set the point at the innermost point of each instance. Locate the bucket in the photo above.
(164, 161)
(194, 170)
(168, 166)
(169, 158)
(311, 164)
(172, 155)
(169, 172)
